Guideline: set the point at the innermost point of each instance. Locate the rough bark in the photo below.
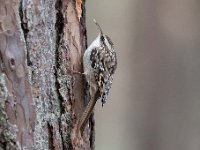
(41, 42)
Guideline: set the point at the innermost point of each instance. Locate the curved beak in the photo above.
(101, 32)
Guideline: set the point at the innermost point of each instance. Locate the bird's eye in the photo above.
(102, 38)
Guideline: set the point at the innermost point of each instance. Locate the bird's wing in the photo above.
(103, 62)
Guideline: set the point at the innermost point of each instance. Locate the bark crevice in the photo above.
(25, 30)
(64, 126)
(50, 132)
(59, 32)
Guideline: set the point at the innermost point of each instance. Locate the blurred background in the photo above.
(154, 103)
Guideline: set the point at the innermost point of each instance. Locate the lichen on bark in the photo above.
(41, 43)
(8, 132)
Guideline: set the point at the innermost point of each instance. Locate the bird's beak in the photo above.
(101, 32)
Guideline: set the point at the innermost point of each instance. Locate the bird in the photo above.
(99, 64)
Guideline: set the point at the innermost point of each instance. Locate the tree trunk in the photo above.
(41, 44)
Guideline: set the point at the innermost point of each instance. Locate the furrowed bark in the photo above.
(41, 42)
